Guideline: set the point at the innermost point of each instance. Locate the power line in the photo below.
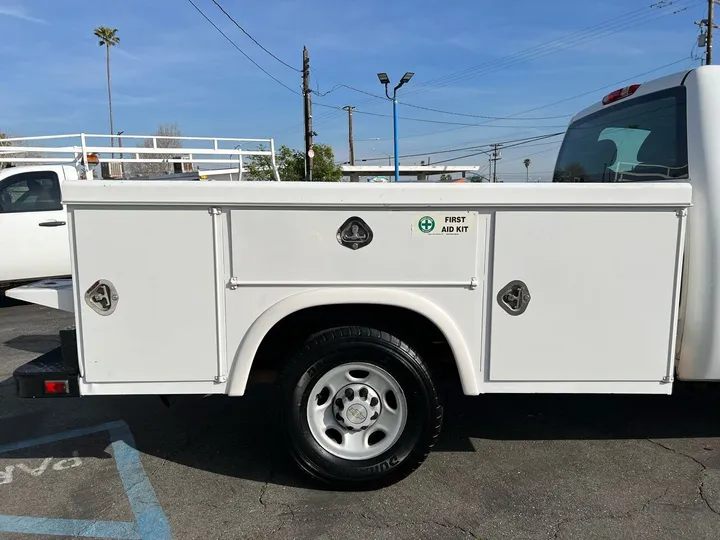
(534, 50)
(436, 110)
(452, 123)
(241, 51)
(252, 38)
(506, 144)
(490, 119)
(483, 116)
(564, 100)
(587, 37)
(486, 152)
(537, 52)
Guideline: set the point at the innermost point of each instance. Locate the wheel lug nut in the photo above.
(363, 393)
(339, 403)
(373, 402)
(349, 393)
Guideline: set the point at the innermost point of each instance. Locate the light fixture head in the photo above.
(406, 78)
(383, 77)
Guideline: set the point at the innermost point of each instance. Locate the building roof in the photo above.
(407, 170)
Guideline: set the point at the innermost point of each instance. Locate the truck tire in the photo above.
(359, 408)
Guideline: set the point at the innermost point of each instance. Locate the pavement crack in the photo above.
(678, 452)
(263, 490)
(655, 499)
(558, 527)
(454, 527)
(701, 492)
(703, 471)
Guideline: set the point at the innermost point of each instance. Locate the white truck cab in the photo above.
(34, 239)
(351, 296)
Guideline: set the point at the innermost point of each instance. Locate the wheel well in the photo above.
(408, 325)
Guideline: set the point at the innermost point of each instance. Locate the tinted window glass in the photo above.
(30, 192)
(643, 139)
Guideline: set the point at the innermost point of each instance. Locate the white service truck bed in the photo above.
(202, 273)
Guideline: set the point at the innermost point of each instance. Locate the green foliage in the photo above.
(574, 172)
(445, 177)
(291, 165)
(477, 178)
(107, 37)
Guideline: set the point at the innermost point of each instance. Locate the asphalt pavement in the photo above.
(507, 467)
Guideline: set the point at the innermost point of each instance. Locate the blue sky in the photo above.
(480, 57)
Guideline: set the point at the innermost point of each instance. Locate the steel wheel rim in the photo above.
(351, 425)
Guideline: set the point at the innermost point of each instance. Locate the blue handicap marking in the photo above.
(151, 523)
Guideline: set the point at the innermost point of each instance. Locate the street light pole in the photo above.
(385, 80)
(395, 139)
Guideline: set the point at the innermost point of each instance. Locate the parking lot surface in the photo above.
(506, 467)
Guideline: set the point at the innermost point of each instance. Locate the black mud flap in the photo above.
(55, 374)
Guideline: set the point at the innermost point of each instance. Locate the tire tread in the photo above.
(327, 337)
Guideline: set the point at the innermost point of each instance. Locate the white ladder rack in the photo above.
(204, 150)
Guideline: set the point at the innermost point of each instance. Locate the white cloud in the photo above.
(18, 12)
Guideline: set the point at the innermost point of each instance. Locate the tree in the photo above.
(291, 165)
(445, 177)
(108, 38)
(477, 178)
(4, 165)
(4, 143)
(573, 172)
(164, 130)
(527, 162)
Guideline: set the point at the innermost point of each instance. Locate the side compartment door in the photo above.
(595, 292)
(33, 227)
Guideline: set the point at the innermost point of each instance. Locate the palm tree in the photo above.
(526, 161)
(108, 38)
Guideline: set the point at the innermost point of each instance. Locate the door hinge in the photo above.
(214, 211)
(681, 212)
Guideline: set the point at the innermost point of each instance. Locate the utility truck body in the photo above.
(350, 296)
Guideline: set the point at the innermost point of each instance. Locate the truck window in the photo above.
(37, 191)
(644, 139)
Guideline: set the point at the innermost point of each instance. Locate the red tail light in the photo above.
(622, 93)
(57, 387)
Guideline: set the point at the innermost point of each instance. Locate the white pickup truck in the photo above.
(603, 281)
(34, 240)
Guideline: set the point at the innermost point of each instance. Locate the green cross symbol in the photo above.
(426, 224)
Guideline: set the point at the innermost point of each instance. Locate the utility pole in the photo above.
(349, 109)
(307, 98)
(494, 158)
(706, 38)
(119, 134)
(710, 26)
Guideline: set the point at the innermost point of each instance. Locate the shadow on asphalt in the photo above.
(6, 302)
(240, 437)
(36, 343)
